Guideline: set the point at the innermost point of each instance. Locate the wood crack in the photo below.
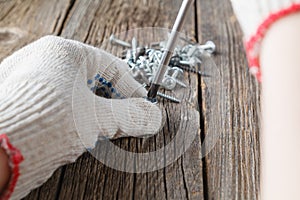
(88, 32)
(202, 116)
(70, 6)
(165, 183)
(184, 181)
(60, 182)
(56, 23)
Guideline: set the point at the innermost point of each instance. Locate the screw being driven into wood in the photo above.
(114, 40)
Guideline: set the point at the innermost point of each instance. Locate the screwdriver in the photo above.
(168, 52)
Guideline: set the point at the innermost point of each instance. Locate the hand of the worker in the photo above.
(255, 18)
(50, 115)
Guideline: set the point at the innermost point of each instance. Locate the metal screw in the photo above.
(134, 49)
(191, 51)
(140, 75)
(188, 69)
(177, 73)
(209, 46)
(157, 56)
(168, 97)
(169, 82)
(190, 63)
(143, 61)
(114, 40)
(178, 81)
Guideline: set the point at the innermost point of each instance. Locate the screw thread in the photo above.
(168, 97)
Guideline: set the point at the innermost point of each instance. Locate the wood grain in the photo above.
(232, 168)
(223, 110)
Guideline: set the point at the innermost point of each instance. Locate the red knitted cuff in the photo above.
(254, 43)
(15, 158)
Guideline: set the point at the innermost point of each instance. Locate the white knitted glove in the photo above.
(255, 17)
(51, 118)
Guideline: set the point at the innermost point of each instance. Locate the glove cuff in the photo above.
(253, 45)
(15, 158)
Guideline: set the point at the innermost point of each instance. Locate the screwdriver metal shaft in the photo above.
(152, 93)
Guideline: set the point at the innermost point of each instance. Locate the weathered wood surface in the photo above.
(231, 170)
(228, 103)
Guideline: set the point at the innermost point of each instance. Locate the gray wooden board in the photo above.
(231, 169)
(222, 109)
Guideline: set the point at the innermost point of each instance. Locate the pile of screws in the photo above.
(144, 61)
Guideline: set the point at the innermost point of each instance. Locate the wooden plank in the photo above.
(232, 167)
(22, 22)
(229, 105)
(92, 22)
(182, 179)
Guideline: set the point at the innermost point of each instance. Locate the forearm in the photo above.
(4, 169)
(281, 109)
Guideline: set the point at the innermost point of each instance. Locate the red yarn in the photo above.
(15, 158)
(253, 44)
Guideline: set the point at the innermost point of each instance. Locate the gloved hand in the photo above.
(49, 114)
(255, 18)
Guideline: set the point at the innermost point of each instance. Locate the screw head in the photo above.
(211, 46)
(169, 83)
(112, 38)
